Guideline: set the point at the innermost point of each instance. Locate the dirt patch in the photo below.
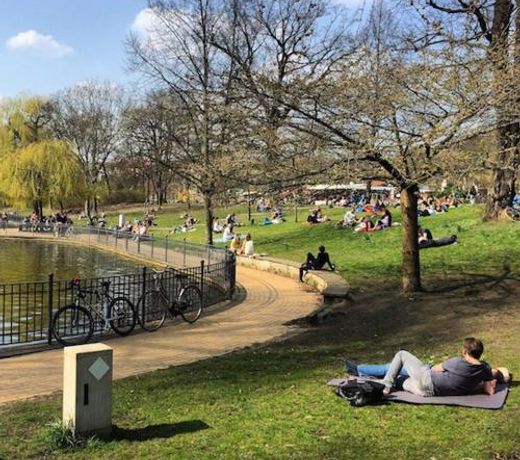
(381, 320)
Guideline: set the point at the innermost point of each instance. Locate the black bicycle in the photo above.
(75, 324)
(155, 304)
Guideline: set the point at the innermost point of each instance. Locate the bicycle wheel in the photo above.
(152, 309)
(190, 303)
(121, 316)
(72, 325)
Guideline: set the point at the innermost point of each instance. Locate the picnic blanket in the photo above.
(481, 401)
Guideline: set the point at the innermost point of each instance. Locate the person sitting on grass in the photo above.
(365, 226)
(425, 236)
(316, 263)
(247, 249)
(385, 221)
(217, 228)
(228, 233)
(235, 244)
(349, 219)
(462, 375)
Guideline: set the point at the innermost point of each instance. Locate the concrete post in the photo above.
(87, 389)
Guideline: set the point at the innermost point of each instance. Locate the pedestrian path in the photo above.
(270, 301)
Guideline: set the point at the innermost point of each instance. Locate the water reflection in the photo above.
(30, 260)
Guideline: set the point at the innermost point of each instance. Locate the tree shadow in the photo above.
(160, 431)
(478, 282)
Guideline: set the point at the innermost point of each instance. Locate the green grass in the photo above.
(361, 258)
(272, 402)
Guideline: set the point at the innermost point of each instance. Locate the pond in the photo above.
(31, 260)
(25, 302)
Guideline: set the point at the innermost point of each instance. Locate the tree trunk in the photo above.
(411, 268)
(209, 218)
(503, 190)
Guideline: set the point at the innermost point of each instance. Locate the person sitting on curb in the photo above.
(457, 376)
(315, 263)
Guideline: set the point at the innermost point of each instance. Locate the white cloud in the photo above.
(47, 45)
(145, 22)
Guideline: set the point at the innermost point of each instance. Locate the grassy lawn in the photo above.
(362, 258)
(272, 402)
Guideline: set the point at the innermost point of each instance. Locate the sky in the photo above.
(48, 45)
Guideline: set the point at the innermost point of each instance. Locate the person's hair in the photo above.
(248, 236)
(474, 347)
(321, 248)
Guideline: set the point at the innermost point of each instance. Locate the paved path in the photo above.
(270, 301)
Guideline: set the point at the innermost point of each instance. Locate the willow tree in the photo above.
(42, 172)
(35, 168)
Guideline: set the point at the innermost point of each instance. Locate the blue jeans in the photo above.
(379, 370)
(376, 370)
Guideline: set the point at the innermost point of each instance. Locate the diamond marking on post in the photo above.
(99, 369)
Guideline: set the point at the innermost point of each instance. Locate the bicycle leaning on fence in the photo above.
(155, 304)
(74, 324)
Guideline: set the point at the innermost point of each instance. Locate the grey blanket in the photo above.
(481, 401)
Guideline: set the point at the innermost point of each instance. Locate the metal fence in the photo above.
(26, 309)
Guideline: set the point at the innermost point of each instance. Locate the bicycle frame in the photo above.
(99, 308)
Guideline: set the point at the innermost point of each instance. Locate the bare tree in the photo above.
(495, 28)
(376, 102)
(150, 129)
(177, 54)
(89, 116)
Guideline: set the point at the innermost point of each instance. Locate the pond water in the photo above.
(31, 260)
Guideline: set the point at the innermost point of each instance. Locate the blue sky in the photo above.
(47, 45)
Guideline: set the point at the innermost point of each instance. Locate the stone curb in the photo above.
(331, 285)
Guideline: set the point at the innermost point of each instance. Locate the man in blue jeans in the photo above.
(461, 375)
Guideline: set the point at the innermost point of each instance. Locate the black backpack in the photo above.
(361, 392)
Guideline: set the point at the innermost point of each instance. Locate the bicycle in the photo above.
(155, 304)
(74, 324)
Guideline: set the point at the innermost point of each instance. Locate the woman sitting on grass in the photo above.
(247, 249)
(235, 244)
(385, 221)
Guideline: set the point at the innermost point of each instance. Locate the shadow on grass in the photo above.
(479, 281)
(161, 431)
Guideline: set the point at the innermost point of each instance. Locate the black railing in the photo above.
(26, 309)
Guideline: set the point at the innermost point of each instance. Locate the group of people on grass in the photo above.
(189, 224)
(370, 222)
(316, 217)
(428, 205)
(242, 248)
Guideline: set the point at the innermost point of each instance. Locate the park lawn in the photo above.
(271, 401)
(483, 248)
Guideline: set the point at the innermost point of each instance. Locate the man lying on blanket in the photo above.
(456, 376)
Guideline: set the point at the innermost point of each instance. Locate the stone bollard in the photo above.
(87, 389)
